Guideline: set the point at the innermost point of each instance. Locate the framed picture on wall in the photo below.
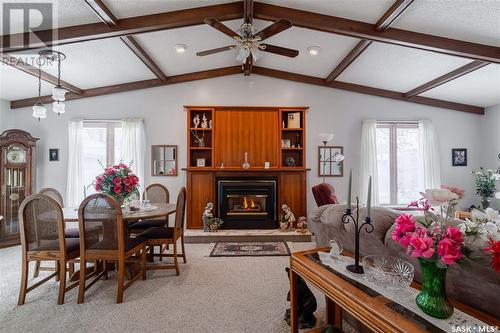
(459, 157)
(53, 154)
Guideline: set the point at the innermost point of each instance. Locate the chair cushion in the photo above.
(158, 233)
(146, 224)
(133, 242)
(75, 232)
(72, 244)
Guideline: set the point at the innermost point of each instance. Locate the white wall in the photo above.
(491, 140)
(6, 120)
(331, 110)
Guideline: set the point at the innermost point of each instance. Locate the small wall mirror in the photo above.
(164, 160)
(330, 161)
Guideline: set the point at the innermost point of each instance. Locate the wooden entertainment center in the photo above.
(267, 134)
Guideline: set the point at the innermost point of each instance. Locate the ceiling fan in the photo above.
(249, 44)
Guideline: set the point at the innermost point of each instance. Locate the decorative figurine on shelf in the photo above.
(204, 121)
(290, 162)
(283, 223)
(210, 123)
(288, 216)
(196, 121)
(302, 224)
(246, 165)
(306, 304)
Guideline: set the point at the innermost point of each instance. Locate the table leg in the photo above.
(294, 327)
(333, 313)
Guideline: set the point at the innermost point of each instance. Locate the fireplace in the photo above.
(247, 203)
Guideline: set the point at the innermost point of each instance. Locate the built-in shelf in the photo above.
(292, 129)
(200, 129)
(292, 148)
(201, 148)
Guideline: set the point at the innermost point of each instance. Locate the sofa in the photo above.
(477, 285)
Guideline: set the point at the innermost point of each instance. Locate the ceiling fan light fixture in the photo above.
(180, 48)
(313, 50)
(243, 53)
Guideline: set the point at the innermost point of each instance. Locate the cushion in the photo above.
(72, 244)
(158, 233)
(146, 224)
(75, 232)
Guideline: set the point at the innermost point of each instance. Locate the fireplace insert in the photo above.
(247, 203)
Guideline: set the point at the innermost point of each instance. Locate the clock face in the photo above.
(16, 154)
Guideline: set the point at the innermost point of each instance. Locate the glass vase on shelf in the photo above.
(246, 164)
(432, 299)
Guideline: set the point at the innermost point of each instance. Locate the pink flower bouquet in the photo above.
(428, 236)
(118, 181)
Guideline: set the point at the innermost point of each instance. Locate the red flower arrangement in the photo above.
(117, 181)
(494, 248)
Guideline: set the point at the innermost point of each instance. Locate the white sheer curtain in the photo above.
(74, 185)
(368, 162)
(133, 146)
(430, 166)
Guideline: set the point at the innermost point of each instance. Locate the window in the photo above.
(101, 143)
(397, 162)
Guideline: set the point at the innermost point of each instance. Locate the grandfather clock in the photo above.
(17, 180)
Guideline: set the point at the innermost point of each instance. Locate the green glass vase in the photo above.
(432, 299)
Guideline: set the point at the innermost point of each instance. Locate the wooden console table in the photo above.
(371, 310)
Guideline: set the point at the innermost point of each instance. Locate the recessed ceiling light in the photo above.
(180, 48)
(313, 50)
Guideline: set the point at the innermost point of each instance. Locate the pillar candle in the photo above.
(349, 190)
(369, 199)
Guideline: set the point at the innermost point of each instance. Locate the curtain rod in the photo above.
(103, 120)
(398, 121)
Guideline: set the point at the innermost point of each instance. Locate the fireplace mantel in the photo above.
(275, 135)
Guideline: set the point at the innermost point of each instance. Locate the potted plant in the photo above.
(485, 185)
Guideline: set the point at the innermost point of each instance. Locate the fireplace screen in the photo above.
(247, 203)
(240, 204)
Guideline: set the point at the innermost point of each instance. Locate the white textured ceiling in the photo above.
(105, 62)
(398, 68)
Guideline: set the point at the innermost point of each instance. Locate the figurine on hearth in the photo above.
(196, 121)
(207, 216)
(288, 216)
(302, 224)
(204, 121)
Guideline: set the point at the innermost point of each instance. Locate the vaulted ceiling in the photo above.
(457, 74)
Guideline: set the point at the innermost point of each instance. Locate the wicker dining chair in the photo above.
(111, 244)
(169, 235)
(156, 194)
(42, 239)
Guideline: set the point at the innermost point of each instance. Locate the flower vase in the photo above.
(432, 299)
(246, 164)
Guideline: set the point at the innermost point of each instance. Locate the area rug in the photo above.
(250, 249)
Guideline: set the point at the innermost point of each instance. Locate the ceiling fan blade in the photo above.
(217, 50)
(216, 24)
(248, 11)
(279, 50)
(274, 29)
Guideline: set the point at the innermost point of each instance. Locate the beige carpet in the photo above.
(244, 294)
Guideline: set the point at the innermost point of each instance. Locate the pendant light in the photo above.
(58, 93)
(39, 110)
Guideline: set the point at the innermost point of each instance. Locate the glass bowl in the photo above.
(388, 271)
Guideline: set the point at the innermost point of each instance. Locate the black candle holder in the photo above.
(368, 226)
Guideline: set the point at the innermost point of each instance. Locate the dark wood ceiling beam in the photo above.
(103, 12)
(367, 90)
(466, 69)
(124, 87)
(135, 47)
(348, 59)
(385, 21)
(124, 27)
(363, 30)
(248, 11)
(107, 17)
(24, 67)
